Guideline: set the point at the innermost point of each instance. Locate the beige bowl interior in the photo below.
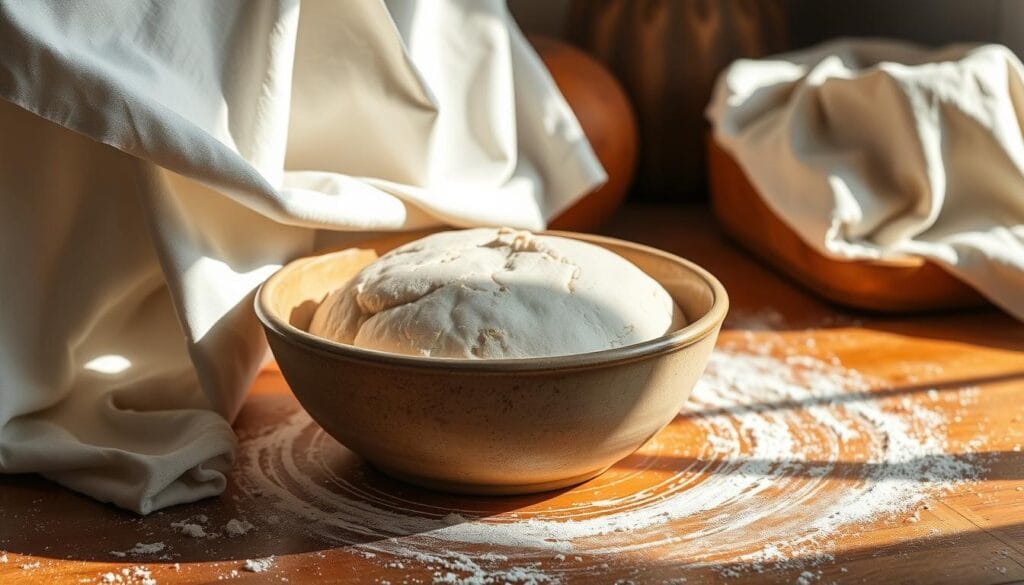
(489, 426)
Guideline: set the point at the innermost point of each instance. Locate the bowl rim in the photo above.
(675, 340)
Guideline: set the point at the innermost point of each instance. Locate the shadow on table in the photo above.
(42, 519)
(984, 327)
(939, 552)
(847, 397)
(990, 466)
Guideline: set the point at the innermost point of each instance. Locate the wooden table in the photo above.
(973, 534)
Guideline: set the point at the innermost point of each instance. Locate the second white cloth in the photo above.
(869, 149)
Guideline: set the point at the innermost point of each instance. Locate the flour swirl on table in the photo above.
(772, 458)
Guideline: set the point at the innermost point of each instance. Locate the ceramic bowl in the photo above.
(507, 426)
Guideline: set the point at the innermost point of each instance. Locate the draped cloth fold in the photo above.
(874, 149)
(159, 160)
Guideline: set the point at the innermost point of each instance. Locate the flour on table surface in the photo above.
(236, 527)
(137, 575)
(793, 446)
(258, 565)
(141, 548)
(190, 528)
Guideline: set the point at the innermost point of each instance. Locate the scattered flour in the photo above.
(137, 575)
(258, 565)
(236, 527)
(192, 529)
(143, 576)
(790, 446)
(454, 568)
(140, 548)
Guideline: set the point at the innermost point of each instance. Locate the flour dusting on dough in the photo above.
(491, 293)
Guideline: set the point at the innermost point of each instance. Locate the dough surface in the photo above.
(489, 293)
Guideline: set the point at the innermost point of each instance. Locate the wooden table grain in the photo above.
(974, 534)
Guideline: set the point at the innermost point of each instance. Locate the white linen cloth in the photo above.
(158, 160)
(874, 149)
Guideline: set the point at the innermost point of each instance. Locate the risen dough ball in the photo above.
(496, 293)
